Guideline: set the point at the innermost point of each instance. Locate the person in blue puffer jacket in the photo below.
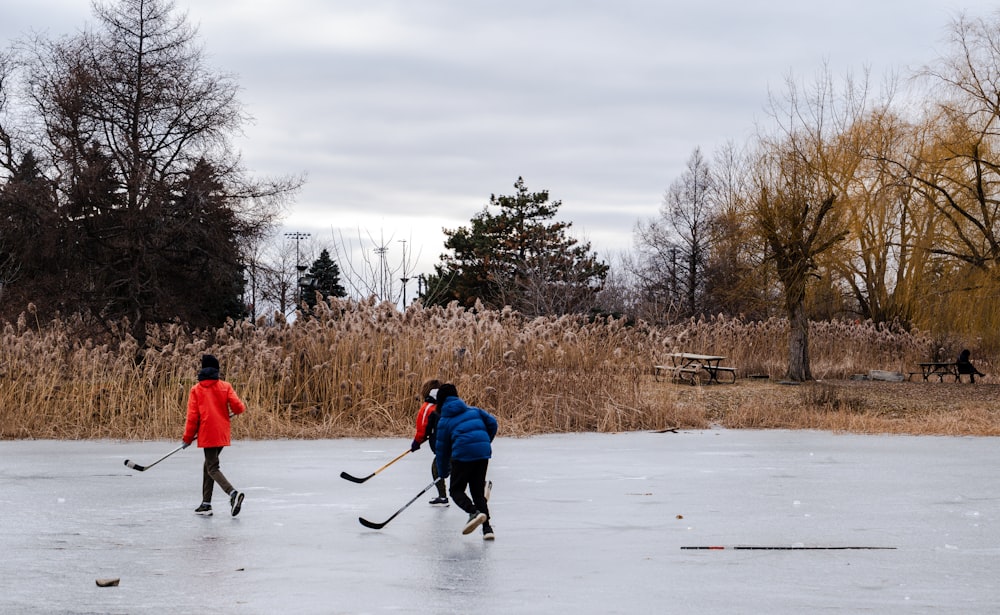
(464, 437)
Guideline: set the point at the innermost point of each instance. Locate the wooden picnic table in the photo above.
(939, 369)
(686, 366)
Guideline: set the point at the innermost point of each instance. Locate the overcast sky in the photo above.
(405, 116)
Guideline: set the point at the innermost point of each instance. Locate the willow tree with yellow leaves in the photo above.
(952, 166)
(891, 229)
(794, 194)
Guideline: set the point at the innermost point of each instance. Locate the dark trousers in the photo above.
(442, 491)
(469, 475)
(968, 368)
(212, 474)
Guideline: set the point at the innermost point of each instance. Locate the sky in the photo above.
(404, 117)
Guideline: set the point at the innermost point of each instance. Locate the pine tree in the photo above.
(323, 280)
(518, 257)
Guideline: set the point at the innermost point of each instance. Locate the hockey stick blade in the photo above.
(378, 526)
(354, 479)
(372, 524)
(142, 468)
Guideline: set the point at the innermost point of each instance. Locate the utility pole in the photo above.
(299, 268)
(404, 279)
(383, 274)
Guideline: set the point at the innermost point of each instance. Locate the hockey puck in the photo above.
(108, 582)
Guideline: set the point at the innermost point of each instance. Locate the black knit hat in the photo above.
(208, 360)
(445, 391)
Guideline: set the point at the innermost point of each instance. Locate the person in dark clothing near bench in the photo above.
(965, 366)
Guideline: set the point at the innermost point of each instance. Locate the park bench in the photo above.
(676, 372)
(939, 369)
(686, 366)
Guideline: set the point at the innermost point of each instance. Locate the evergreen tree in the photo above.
(198, 241)
(323, 280)
(32, 242)
(151, 209)
(518, 257)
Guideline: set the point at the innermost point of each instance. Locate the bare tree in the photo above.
(7, 157)
(688, 208)
(674, 248)
(738, 278)
(377, 267)
(277, 277)
(135, 131)
(656, 270)
(621, 293)
(958, 172)
(544, 285)
(794, 196)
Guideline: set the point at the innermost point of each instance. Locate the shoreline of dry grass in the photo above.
(352, 369)
(849, 406)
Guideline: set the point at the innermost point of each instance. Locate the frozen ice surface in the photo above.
(585, 523)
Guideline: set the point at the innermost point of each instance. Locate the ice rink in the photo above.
(585, 523)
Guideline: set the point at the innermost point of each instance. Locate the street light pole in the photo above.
(404, 280)
(298, 267)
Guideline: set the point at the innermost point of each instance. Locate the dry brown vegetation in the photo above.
(353, 369)
(868, 407)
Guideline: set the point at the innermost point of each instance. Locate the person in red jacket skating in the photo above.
(210, 404)
(427, 418)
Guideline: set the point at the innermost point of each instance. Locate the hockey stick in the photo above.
(782, 548)
(378, 526)
(142, 468)
(355, 479)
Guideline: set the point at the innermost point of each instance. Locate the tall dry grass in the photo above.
(353, 369)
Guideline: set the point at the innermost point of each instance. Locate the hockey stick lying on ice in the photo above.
(355, 479)
(378, 526)
(792, 548)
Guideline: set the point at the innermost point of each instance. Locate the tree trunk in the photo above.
(798, 344)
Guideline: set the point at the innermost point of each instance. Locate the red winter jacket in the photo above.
(209, 405)
(425, 410)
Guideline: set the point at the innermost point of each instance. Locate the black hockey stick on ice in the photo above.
(355, 479)
(790, 548)
(378, 526)
(142, 468)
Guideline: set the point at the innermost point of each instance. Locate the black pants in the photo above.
(469, 475)
(970, 370)
(442, 491)
(212, 474)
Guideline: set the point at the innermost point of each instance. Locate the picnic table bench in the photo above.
(936, 368)
(686, 367)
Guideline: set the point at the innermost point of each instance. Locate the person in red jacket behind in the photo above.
(210, 404)
(427, 418)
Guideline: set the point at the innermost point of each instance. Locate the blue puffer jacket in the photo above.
(464, 433)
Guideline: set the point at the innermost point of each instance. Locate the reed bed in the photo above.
(353, 368)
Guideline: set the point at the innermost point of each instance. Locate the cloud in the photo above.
(407, 115)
